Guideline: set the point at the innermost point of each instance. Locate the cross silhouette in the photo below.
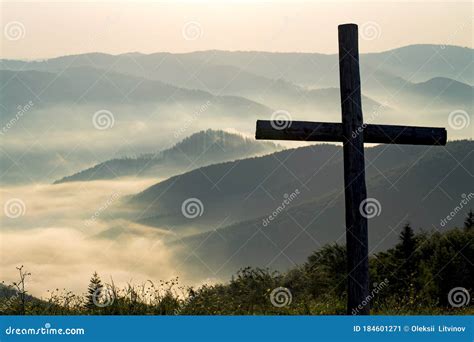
(352, 132)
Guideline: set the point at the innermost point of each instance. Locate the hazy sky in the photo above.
(41, 29)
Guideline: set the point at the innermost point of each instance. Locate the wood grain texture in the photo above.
(353, 133)
(326, 131)
(354, 171)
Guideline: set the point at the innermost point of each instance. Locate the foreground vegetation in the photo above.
(414, 277)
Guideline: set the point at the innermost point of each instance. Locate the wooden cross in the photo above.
(352, 132)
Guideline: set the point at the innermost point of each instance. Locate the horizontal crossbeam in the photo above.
(326, 131)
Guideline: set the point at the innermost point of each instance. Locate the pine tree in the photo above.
(405, 252)
(469, 221)
(408, 243)
(94, 291)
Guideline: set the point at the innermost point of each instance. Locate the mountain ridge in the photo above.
(315, 170)
(97, 53)
(214, 145)
(414, 62)
(404, 193)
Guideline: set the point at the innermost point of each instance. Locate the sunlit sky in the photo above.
(48, 29)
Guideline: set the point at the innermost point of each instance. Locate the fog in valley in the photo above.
(55, 232)
(100, 152)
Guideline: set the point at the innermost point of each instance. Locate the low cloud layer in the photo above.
(63, 233)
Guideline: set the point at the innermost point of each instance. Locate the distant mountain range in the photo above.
(86, 86)
(257, 204)
(417, 63)
(418, 184)
(277, 80)
(200, 149)
(153, 97)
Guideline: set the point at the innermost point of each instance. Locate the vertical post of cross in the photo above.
(354, 170)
